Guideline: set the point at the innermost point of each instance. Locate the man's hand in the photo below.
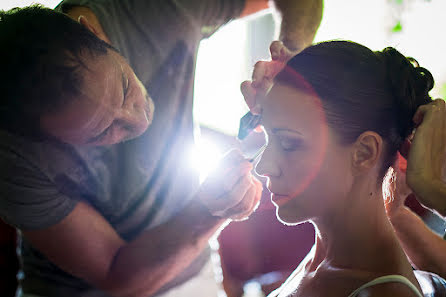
(427, 156)
(231, 191)
(263, 75)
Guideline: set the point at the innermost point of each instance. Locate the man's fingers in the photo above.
(259, 72)
(264, 73)
(220, 205)
(238, 192)
(231, 159)
(250, 202)
(276, 49)
(249, 93)
(244, 208)
(255, 200)
(232, 178)
(280, 52)
(438, 105)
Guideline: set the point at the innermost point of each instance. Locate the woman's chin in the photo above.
(289, 221)
(287, 214)
(289, 218)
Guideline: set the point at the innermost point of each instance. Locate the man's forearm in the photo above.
(300, 20)
(144, 265)
(425, 249)
(432, 195)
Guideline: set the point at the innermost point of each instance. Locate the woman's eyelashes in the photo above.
(290, 144)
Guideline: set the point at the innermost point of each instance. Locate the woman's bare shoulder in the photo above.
(343, 282)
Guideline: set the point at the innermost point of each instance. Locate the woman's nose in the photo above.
(267, 166)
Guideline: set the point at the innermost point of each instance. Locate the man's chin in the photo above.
(134, 136)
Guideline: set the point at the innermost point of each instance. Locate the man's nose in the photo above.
(135, 117)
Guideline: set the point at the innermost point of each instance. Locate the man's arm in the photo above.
(254, 6)
(86, 245)
(300, 19)
(425, 249)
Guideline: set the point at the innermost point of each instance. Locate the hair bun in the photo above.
(410, 85)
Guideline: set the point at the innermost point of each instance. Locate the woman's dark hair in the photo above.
(361, 90)
(40, 55)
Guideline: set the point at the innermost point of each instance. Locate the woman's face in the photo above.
(308, 171)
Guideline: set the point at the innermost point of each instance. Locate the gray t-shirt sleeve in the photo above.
(205, 14)
(28, 199)
(213, 13)
(202, 12)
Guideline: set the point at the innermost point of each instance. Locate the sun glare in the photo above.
(204, 157)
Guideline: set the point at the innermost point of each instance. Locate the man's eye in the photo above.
(126, 87)
(104, 134)
(290, 144)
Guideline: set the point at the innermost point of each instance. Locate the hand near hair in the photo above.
(263, 75)
(427, 156)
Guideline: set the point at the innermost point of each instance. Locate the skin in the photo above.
(142, 266)
(313, 176)
(427, 156)
(114, 105)
(425, 177)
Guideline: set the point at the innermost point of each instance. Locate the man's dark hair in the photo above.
(41, 53)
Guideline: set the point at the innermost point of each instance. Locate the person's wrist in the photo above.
(431, 193)
(438, 199)
(395, 213)
(206, 215)
(398, 216)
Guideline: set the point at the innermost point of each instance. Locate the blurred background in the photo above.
(257, 254)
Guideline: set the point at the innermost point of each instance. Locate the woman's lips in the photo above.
(279, 199)
(278, 196)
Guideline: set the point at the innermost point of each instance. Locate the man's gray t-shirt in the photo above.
(135, 185)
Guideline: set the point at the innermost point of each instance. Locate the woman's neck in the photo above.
(357, 235)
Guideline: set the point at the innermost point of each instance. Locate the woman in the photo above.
(336, 118)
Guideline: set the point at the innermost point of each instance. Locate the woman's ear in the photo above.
(366, 152)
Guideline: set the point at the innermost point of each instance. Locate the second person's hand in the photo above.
(427, 156)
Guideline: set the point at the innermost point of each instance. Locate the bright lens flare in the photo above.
(204, 157)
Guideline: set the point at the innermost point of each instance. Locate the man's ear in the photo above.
(366, 152)
(83, 20)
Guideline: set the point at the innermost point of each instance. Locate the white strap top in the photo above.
(387, 279)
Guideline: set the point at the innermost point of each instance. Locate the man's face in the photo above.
(114, 105)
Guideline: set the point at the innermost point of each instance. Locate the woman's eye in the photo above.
(290, 144)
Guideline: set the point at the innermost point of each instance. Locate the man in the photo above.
(98, 216)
